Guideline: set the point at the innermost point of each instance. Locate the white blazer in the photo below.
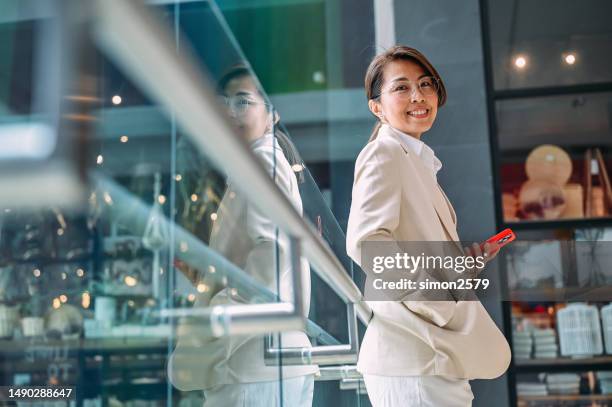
(396, 198)
(250, 240)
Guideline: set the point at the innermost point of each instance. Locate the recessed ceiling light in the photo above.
(520, 62)
(570, 59)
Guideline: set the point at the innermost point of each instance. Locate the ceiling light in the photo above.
(520, 62)
(570, 59)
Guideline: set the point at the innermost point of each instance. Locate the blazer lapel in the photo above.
(450, 207)
(439, 200)
(437, 197)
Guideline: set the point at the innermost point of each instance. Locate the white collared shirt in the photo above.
(427, 155)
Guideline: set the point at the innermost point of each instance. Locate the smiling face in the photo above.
(408, 101)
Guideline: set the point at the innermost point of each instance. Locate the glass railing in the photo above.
(184, 253)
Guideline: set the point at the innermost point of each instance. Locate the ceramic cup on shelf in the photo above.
(106, 309)
(33, 326)
(8, 319)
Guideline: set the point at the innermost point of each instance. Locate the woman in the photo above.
(231, 370)
(414, 353)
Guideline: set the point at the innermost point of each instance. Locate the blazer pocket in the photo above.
(438, 313)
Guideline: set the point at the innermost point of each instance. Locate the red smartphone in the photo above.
(502, 238)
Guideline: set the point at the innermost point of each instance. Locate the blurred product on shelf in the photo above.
(598, 198)
(553, 191)
(521, 344)
(96, 329)
(579, 330)
(548, 169)
(563, 383)
(530, 317)
(155, 236)
(65, 321)
(593, 256)
(540, 199)
(33, 326)
(531, 389)
(9, 315)
(605, 382)
(574, 205)
(106, 309)
(511, 206)
(533, 337)
(606, 320)
(597, 201)
(549, 163)
(545, 341)
(534, 265)
(128, 263)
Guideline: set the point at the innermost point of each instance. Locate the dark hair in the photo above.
(289, 149)
(374, 77)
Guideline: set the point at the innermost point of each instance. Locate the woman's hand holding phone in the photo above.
(486, 250)
(491, 246)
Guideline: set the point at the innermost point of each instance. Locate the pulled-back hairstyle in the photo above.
(284, 142)
(374, 78)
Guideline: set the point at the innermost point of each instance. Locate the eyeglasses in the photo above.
(427, 85)
(239, 104)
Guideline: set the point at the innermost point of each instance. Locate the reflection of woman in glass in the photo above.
(233, 370)
(414, 353)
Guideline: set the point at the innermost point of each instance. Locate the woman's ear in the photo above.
(276, 116)
(375, 108)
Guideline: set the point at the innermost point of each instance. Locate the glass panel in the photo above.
(292, 74)
(567, 126)
(571, 47)
(85, 294)
(37, 146)
(327, 310)
(315, 82)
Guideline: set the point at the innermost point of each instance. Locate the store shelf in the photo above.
(126, 345)
(563, 364)
(53, 260)
(557, 224)
(568, 397)
(522, 93)
(551, 294)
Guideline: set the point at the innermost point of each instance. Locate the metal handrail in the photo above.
(317, 355)
(133, 213)
(333, 373)
(131, 34)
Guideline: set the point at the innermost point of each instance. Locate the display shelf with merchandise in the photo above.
(543, 122)
(566, 398)
(557, 224)
(556, 294)
(563, 364)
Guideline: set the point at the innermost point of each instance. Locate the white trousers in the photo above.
(418, 391)
(297, 392)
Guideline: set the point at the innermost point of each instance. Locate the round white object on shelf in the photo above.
(549, 163)
(66, 320)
